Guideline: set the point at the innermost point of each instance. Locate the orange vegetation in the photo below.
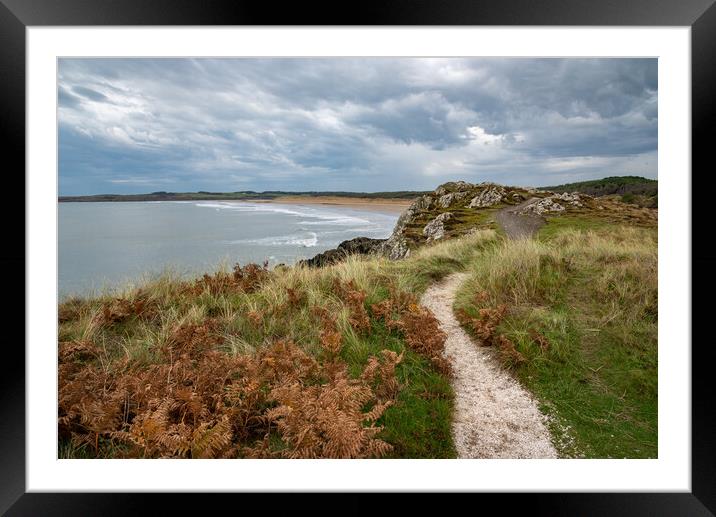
(198, 401)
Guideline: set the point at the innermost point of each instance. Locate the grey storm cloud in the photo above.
(362, 124)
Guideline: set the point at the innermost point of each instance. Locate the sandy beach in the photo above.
(387, 205)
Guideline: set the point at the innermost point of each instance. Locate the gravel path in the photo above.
(516, 225)
(495, 417)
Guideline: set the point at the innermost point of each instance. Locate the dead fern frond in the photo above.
(380, 375)
(539, 339)
(251, 276)
(69, 310)
(328, 421)
(423, 334)
(296, 297)
(247, 279)
(122, 309)
(510, 356)
(255, 317)
(485, 326)
(76, 350)
(192, 339)
(382, 310)
(209, 439)
(354, 299)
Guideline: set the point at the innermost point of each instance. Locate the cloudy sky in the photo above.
(372, 124)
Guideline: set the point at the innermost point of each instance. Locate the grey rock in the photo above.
(396, 247)
(357, 246)
(453, 186)
(451, 198)
(435, 229)
(424, 202)
(542, 206)
(490, 195)
(566, 196)
(572, 198)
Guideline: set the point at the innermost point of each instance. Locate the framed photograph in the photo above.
(417, 250)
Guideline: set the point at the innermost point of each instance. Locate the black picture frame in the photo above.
(700, 15)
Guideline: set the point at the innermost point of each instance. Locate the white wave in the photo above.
(284, 240)
(210, 205)
(357, 230)
(330, 224)
(336, 220)
(323, 217)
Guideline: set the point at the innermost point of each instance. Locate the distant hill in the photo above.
(629, 189)
(246, 195)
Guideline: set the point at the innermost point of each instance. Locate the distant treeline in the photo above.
(610, 185)
(246, 195)
(631, 188)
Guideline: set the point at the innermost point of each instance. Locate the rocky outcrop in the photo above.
(566, 196)
(396, 247)
(489, 196)
(451, 195)
(573, 198)
(435, 229)
(453, 186)
(542, 206)
(425, 202)
(451, 198)
(357, 246)
(424, 220)
(555, 203)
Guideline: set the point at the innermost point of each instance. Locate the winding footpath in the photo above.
(519, 226)
(495, 417)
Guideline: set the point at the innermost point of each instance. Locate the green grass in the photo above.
(593, 295)
(418, 424)
(558, 224)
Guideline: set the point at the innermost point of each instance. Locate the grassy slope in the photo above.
(588, 284)
(591, 289)
(417, 425)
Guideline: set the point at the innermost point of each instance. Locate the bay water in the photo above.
(107, 245)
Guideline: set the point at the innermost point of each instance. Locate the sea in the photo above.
(105, 246)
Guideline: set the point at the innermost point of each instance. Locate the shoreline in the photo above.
(392, 205)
